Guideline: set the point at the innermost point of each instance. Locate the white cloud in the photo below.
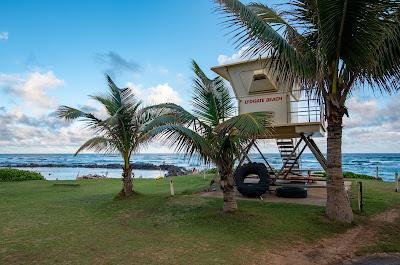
(161, 93)
(236, 57)
(45, 133)
(136, 89)
(4, 35)
(32, 89)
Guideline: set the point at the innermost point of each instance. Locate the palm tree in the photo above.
(331, 47)
(211, 131)
(122, 131)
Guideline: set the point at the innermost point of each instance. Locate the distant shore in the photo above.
(172, 170)
(362, 163)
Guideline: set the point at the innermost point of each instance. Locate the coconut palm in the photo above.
(122, 131)
(332, 46)
(212, 132)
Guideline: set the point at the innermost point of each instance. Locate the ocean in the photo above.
(71, 166)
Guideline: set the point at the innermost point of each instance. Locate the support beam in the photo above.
(245, 153)
(263, 157)
(294, 162)
(315, 150)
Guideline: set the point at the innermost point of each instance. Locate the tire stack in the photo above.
(291, 192)
(252, 189)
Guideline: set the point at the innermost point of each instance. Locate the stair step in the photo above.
(284, 143)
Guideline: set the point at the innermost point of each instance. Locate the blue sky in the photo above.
(56, 52)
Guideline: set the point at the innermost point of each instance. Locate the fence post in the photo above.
(171, 187)
(360, 197)
(397, 182)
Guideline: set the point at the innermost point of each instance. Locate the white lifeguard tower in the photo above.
(296, 116)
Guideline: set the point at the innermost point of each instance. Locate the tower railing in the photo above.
(308, 108)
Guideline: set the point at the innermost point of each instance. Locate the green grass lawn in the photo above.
(46, 224)
(378, 196)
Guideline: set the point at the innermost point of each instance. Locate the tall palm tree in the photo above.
(122, 131)
(211, 131)
(331, 46)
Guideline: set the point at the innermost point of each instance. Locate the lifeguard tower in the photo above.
(296, 116)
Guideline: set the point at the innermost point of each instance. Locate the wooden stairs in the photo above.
(289, 154)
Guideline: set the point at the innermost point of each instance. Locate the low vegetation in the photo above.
(351, 175)
(86, 225)
(12, 174)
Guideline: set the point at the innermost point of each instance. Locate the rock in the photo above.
(91, 176)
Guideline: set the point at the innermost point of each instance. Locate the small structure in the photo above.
(297, 115)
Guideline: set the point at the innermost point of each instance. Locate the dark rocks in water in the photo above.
(172, 170)
(91, 176)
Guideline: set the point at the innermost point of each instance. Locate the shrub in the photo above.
(351, 175)
(12, 174)
(210, 171)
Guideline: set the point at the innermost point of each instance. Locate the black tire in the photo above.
(291, 192)
(252, 189)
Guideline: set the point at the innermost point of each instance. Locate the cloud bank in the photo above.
(31, 89)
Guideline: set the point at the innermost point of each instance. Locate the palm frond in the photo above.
(253, 26)
(247, 125)
(211, 99)
(69, 114)
(98, 144)
(121, 130)
(184, 140)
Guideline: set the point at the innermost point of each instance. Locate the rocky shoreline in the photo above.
(172, 170)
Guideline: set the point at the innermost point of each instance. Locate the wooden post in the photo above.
(171, 187)
(397, 182)
(360, 197)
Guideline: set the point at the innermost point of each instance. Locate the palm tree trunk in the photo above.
(127, 186)
(338, 204)
(228, 188)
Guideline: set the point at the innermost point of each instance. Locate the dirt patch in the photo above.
(388, 216)
(330, 251)
(316, 195)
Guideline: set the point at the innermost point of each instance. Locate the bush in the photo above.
(12, 174)
(210, 171)
(351, 175)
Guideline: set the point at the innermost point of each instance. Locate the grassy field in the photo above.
(46, 224)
